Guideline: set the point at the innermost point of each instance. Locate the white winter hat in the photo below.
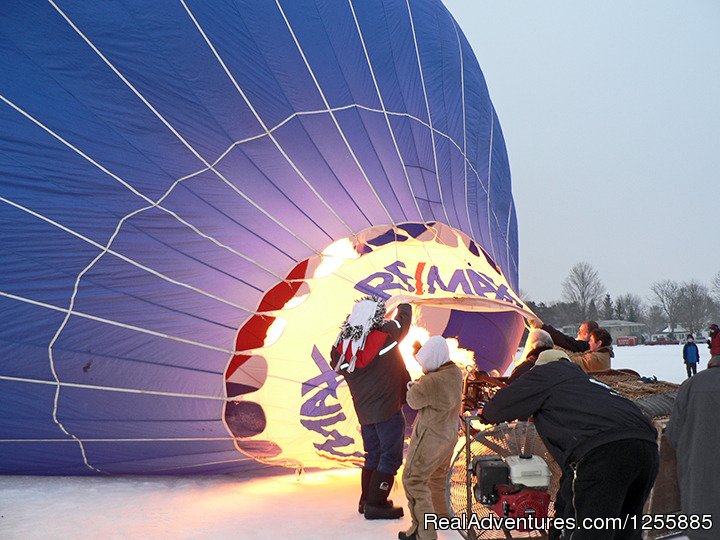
(433, 354)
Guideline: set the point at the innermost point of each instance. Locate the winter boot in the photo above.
(365, 479)
(377, 506)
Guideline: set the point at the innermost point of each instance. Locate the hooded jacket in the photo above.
(599, 360)
(378, 382)
(573, 412)
(438, 393)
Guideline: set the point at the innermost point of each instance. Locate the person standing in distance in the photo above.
(691, 356)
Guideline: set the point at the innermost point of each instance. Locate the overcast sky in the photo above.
(611, 116)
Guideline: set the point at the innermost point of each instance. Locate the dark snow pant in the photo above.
(691, 369)
(611, 481)
(383, 443)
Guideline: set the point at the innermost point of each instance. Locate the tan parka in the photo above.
(590, 361)
(437, 395)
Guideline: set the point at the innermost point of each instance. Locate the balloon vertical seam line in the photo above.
(265, 129)
(427, 106)
(332, 115)
(462, 97)
(507, 233)
(384, 110)
(489, 207)
(172, 129)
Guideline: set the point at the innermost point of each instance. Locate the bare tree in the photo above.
(696, 306)
(669, 295)
(583, 286)
(630, 307)
(715, 286)
(655, 319)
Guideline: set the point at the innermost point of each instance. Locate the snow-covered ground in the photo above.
(319, 505)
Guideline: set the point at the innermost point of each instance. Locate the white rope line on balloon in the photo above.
(332, 115)
(154, 204)
(384, 110)
(273, 139)
(224, 154)
(176, 133)
(262, 122)
(207, 464)
(510, 256)
(340, 131)
(117, 323)
(464, 151)
(106, 249)
(132, 189)
(427, 106)
(489, 177)
(236, 143)
(507, 234)
(211, 167)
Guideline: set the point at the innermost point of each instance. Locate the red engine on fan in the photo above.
(517, 502)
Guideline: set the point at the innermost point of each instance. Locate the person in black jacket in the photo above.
(367, 354)
(579, 344)
(605, 445)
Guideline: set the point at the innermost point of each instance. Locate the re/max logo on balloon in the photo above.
(422, 282)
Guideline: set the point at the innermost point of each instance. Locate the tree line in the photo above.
(690, 304)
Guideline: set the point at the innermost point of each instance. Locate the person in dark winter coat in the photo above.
(691, 356)
(714, 342)
(437, 396)
(537, 342)
(579, 344)
(694, 434)
(367, 354)
(605, 445)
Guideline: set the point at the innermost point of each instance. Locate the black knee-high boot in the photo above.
(365, 483)
(377, 506)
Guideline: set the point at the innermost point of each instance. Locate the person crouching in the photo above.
(437, 395)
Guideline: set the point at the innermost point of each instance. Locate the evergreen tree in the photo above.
(607, 308)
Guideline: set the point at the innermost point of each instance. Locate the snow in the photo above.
(317, 505)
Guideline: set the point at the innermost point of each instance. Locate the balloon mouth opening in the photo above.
(310, 304)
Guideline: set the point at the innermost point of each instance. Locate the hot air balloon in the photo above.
(193, 193)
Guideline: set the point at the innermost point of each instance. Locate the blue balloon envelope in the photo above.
(191, 196)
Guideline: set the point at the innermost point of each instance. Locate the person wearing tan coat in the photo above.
(437, 395)
(598, 358)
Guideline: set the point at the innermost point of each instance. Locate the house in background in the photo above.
(616, 327)
(680, 334)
